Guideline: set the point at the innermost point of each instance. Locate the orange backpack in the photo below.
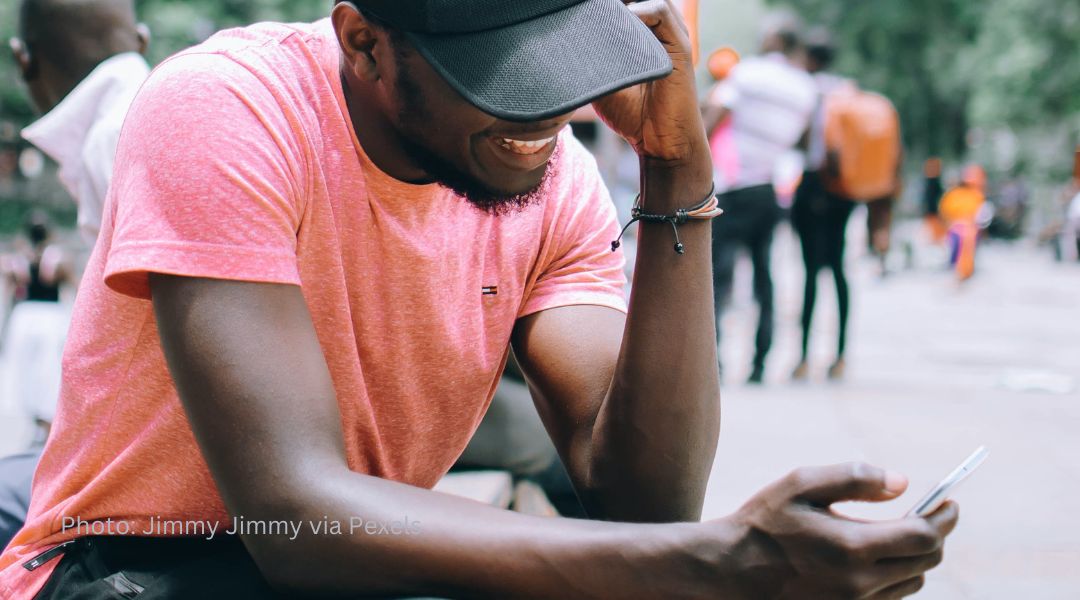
(862, 138)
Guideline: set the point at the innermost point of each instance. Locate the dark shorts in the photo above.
(115, 567)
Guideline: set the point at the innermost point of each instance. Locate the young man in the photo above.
(819, 217)
(318, 248)
(770, 100)
(82, 63)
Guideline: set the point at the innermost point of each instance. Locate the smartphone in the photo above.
(937, 496)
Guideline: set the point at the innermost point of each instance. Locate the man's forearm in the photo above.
(417, 542)
(656, 433)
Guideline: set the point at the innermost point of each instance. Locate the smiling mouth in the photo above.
(524, 146)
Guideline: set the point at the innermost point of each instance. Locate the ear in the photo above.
(357, 38)
(21, 55)
(142, 30)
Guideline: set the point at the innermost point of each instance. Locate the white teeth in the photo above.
(524, 147)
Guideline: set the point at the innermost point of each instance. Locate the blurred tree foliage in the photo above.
(177, 24)
(995, 79)
(1007, 70)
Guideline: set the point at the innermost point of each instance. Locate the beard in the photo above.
(472, 191)
(445, 173)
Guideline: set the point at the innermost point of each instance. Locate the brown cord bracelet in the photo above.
(706, 210)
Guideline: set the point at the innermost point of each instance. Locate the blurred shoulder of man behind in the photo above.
(82, 63)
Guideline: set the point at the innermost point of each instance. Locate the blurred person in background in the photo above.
(960, 209)
(864, 158)
(1069, 238)
(721, 137)
(770, 100)
(1070, 233)
(933, 190)
(82, 63)
(879, 217)
(819, 216)
(33, 347)
(1010, 208)
(35, 332)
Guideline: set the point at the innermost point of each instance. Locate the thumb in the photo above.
(823, 486)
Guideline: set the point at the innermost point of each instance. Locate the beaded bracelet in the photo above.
(705, 210)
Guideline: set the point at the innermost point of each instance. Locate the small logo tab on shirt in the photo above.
(489, 290)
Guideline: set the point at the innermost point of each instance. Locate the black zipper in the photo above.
(47, 555)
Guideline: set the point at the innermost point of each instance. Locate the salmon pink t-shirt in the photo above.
(238, 161)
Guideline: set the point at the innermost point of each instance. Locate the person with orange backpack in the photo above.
(960, 208)
(865, 154)
(853, 155)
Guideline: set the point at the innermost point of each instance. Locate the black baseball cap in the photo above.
(527, 60)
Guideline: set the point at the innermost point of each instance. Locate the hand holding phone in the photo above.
(940, 493)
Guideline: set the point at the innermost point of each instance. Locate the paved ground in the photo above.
(934, 370)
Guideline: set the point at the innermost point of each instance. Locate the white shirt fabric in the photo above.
(771, 103)
(81, 133)
(826, 83)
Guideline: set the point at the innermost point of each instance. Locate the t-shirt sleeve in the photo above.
(208, 180)
(577, 265)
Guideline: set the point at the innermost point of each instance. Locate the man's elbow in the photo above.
(286, 564)
(280, 538)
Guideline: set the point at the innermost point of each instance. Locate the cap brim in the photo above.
(550, 65)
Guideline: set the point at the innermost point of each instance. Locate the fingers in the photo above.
(889, 573)
(823, 486)
(863, 577)
(901, 538)
(677, 17)
(665, 22)
(901, 590)
(945, 518)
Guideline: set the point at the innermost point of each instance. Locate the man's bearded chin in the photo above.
(472, 191)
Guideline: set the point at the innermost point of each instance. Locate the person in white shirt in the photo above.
(771, 101)
(82, 63)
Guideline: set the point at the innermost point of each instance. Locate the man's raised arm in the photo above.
(639, 434)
